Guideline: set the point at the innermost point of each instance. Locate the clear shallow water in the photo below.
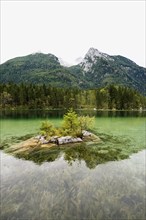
(59, 190)
(115, 190)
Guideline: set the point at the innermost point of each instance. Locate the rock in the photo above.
(78, 139)
(86, 133)
(45, 142)
(68, 139)
(24, 145)
(42, 139)
(54, 139)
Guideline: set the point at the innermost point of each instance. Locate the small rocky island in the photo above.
(74, 139)
(72, 131)
(40, 142)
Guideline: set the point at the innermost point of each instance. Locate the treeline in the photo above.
(32, 96)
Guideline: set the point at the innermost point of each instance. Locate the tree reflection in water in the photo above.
(111, 148)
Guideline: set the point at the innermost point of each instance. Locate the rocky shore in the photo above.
(65, 139)
(41, 142)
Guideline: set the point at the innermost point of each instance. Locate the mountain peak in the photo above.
(95, 53)
(91, 57)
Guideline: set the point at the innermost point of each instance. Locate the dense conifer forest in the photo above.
(31, 96)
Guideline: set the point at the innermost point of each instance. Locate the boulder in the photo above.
(42, 139)
(68, 139)
(54, 139)
(86, 133)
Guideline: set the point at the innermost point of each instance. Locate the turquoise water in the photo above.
(133, 125)
(61, 190)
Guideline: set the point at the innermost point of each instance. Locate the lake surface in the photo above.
(75, 189)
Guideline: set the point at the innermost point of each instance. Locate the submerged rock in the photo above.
(24, 145)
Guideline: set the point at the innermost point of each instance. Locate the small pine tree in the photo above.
(74, 125)
(47, 129)
(70, 123)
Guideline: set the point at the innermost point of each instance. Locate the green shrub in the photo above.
(72, 125)
(47, 129)
(86, 122)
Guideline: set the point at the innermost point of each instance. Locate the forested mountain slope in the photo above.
(100, 69)
(37, 68)
(96, 70)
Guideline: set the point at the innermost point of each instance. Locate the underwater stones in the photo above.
(23, 146)
(103, 152)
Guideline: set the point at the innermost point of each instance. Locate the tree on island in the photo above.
(72, 125)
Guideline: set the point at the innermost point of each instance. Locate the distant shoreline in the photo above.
(79, 109)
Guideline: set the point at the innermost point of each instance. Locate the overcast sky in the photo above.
(69, 29)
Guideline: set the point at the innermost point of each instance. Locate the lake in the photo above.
(75, 184)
